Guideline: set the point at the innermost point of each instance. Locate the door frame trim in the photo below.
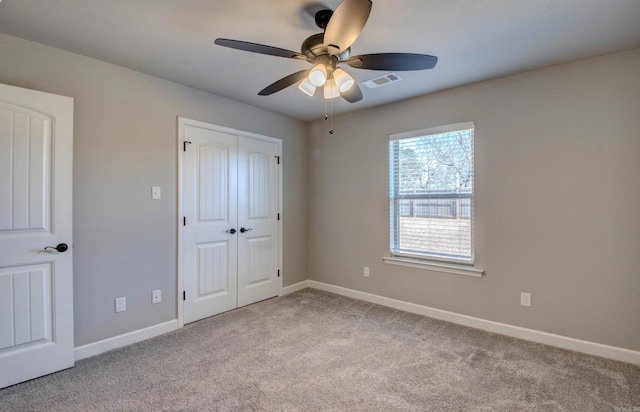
(182, 123)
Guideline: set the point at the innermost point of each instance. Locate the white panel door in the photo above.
(36, 283)
(210, 247)
(258, 240)
(230, 243)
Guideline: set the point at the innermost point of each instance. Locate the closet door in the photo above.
(258, 220)
(230, 243)
(210, 237)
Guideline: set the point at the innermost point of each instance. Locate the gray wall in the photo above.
(557, 200)
(125, 141)
(557, 167)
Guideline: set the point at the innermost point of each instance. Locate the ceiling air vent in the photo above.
(382, 80)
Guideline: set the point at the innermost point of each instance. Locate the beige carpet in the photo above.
(315, 351)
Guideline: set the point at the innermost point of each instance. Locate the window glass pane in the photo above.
(431, 195)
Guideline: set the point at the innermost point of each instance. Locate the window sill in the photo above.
(435, 266)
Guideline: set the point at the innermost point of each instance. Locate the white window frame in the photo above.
(427, 261)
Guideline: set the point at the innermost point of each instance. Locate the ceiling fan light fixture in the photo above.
(318, 75)
(307, 87)
(343, 80)
(331, 90)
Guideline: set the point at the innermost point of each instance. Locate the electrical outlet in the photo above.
(121, 304)
(366, 272)
(156, 296)
(525, 299)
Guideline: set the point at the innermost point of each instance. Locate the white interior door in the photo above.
(210, 222)
(36, 284)
(258, 219)
(230, 243)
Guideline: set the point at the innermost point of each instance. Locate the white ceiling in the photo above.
(474, 40)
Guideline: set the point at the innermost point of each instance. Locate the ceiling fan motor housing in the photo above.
(313, 47)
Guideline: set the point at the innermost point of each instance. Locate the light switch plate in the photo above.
(155, 192)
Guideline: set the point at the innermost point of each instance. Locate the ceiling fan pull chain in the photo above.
(325, 110)
(331, 116)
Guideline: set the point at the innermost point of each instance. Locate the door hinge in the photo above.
(278, 159)
(184, 295)
(184, 221)
(278, 216)
(184, 145)
(278, 272)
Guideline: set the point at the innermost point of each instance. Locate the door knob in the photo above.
(232, 231)
(62, 247)
(242, 230)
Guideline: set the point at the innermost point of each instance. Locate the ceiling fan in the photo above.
(327, 50)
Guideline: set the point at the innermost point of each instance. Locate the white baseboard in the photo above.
(564, 342)
(96, 348)
(294, 288)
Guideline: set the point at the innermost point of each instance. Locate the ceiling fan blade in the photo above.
(259, 48)
(393, 61)
(345, 25)
(354, 94)
(284, 82)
